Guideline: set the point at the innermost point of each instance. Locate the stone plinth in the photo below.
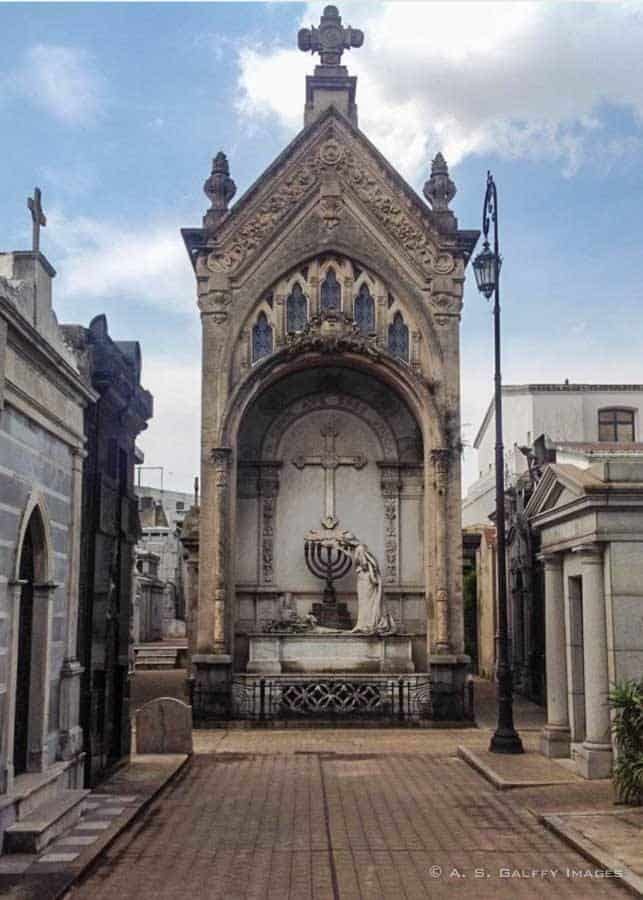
(273, 654)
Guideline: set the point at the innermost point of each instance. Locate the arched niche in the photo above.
(33, 591)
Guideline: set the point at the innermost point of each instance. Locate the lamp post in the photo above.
(486, 268)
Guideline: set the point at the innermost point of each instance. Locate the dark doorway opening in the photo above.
(25, 636)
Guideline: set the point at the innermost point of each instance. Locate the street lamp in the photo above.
(486, 267)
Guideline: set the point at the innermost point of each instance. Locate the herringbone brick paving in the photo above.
(322, 824)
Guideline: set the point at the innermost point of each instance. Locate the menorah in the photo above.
(331, 564)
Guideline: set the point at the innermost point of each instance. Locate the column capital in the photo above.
(220, 456)
(590, 554)
(551, 559)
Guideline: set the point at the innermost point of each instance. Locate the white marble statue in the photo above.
(370, 617)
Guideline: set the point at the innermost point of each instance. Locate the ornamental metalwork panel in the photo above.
(296, 310)
(331, 293)
(398, 338)
(365, 310)
(262, 338)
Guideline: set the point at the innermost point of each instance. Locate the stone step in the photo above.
(30, 791)
(41, 826)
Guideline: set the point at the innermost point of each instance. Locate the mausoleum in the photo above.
(329, 537)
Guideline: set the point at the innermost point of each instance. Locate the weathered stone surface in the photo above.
(329, 652)
(164, 726)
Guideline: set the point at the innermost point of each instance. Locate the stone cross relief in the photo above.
(37, 217)
(330, 461)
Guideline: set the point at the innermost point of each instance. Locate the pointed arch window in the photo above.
(331, 293)
(262, 338)
(365, 310)
(296, 310)
(398, 337)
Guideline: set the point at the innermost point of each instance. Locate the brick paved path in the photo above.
(335, 825)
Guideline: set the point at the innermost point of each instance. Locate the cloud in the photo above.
(524, 80)
(101, 259)
(62, 80)
(172, 437)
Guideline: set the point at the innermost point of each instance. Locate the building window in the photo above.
(365, 310)
(296, 310)
(398, 338)
(616, 425)
(261, 338)
(180, 505)
(331, 293)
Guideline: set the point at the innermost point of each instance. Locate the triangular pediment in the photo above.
(559, 486)
(327, 166)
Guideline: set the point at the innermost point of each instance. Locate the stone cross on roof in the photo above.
(38, 218)
(330, 39)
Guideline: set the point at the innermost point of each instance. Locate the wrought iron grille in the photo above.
(324, 697)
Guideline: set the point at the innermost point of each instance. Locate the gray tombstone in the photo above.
(164, 726)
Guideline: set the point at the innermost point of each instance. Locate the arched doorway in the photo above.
(23, 668)
(32, 570)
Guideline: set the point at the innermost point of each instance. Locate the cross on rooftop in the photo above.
(37, 217)
(330, 39)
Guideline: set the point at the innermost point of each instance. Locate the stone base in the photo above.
(448, 687)
(274, 654)
(210, 687)
(555, 742)
(332, 615)
(594, 760)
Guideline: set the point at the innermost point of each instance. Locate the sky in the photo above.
(116, 110)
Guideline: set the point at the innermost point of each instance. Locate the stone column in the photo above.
(595, 755)
(267, 499)
(391, 486)
(555, 735)
(440, 644)
(71, 734)
(279, 322)
(219, 514)
(212, 661)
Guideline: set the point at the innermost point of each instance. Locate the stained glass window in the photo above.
(296, 310)
(398, 338)
(331, 292)
(261, 338)
(365, 310)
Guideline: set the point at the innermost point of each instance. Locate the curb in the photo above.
(502, 784)
(599, 857)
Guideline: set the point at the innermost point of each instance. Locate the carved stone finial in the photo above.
(439, 190)
(330, 39)
(219, 189)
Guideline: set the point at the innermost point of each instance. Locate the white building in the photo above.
(570, 413)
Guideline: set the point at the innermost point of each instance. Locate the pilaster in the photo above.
(594, 757)
(556, 735)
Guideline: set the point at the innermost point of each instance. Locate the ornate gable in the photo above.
(326, 167)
